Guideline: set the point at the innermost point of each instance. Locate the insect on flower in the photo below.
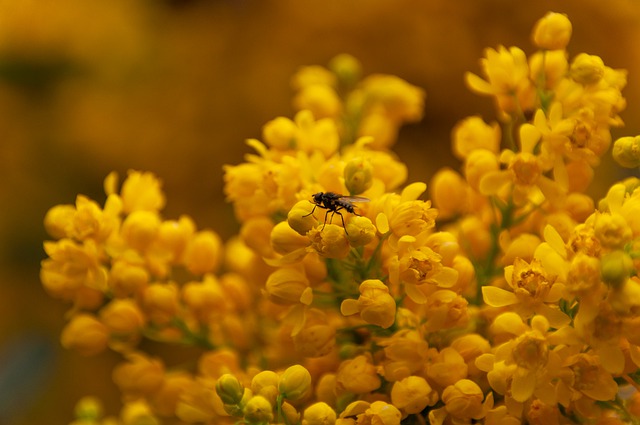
(333, 203)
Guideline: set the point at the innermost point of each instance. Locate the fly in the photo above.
(334, 203)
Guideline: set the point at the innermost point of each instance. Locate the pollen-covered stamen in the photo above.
(530, 352)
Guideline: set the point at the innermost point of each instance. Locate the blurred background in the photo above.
(176, 86)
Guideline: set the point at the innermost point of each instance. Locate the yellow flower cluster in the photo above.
(347, 298)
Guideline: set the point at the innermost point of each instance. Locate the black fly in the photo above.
(333, 203)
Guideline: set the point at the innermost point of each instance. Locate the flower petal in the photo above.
(498, 297)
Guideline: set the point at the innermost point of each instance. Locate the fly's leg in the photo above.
(312, 211)
(325, 218)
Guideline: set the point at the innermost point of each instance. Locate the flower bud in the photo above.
(616, 268)
(294, 383)
(280, 133)
(479, 163)
(142, 192)
(139, 375)
(626, 151)
(319, 413)
(88, 409)
(330, 242)
(586, 69)
(203, 253)
(85, 334)
(229, 389)
(413, 394)
(286, 286)
(300, 218)
(285, 240)
(472, 134)
(464, 400)
(265, 384)
(360, 230)
(346, 68)
(138, 413)
(358, 375)
(140, 228)
(552, 31)
(123, 316)
(448, 192)
(320, 99)
(358, 175)
(58, 220)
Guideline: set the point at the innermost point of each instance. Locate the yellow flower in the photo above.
(319, 413)
(626, 151)
(258, 411)
(205, 300)
(375, 305)
(317, 336)
(138, 413)
(173, 236)
(285, 240)
(295, 382)
(357, 375)
(311, 75)
(316, 135)
(320, 99)
(279, 133)
(123, 317)
(397, 99)
(533, 291)
(165, 400)
(479, 163)
(464, 401)
(58, 221)
(552, 31)
(358, 175)
(161, 302)
(587, 378)
(128, 276)
(85, 334)
(445, 309)
(286, 286)
(92, 222)
(524, 172)
(203, 252)
(265, 383)
(507, 72)
(472, 134)
(139, 376)
(405, 353)
(412, 394)
(141, 192)
(448, 193)
(140, 228)
(199, 403)
(360, 230)
(229, 389)
(587, 69)
(330, 242)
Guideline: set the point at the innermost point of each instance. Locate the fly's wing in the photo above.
(354, 199)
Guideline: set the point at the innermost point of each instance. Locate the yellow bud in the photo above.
(479, 163)
(626, 151)
(142, 192)
(138, 413)
(286, 286)
(203, 252)
(285, 240)
(280, 133)
(586, 69)
(300, 218)
(380, 412)
(58, 220)
(330, 242)
(347, 69)
(448, 192)
(320, 99)
(265, 384)
(360, 230)
(256, 234)
(139, 376)
(319, 413)
(229, 389)
(294, 383)
(205, 300)
(616, 267)
(127, 279)
(123, 316)
(161, 302)
(358, 175)
(472, 134)
(173, 236)
(376, 305)
(464, 399)
(552, 32)
(358, 375)
(412, 394)
(85, 334)
(88, 409)
(140, 228)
